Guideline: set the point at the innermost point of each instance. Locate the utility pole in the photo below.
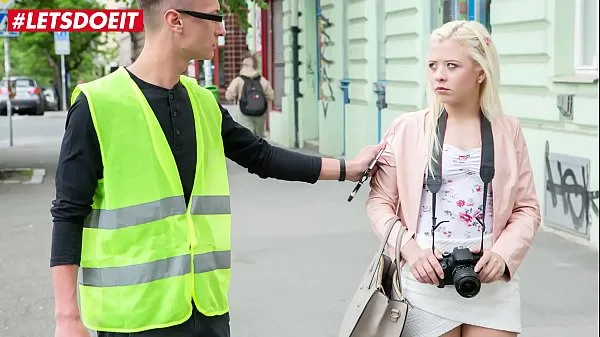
(4, 6)
(62, 47)
(9, 88)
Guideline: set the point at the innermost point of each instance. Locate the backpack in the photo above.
(252, 101)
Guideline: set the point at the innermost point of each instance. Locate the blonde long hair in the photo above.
(481, 49)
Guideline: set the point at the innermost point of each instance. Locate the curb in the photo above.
(37, 177)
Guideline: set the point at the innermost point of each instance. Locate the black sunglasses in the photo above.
(200, 15)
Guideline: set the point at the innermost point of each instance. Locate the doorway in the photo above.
(277, 61)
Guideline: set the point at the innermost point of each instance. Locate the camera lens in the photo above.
(466, 282)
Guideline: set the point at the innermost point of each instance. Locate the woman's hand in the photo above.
(490, 267)
(424, 265)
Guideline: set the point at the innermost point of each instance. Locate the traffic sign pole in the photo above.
(5, 5)
(8, 103)
(64, 81)
(62, 47)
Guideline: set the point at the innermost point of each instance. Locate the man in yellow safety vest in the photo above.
(142, 194)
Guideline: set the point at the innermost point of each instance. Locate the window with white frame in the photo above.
(586, 37)
(473, 10)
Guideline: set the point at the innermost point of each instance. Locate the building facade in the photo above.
(352, 66)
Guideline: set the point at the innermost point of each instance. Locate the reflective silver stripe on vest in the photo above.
(135, 215)
(136, 274)
(156, 210)
(152, 271)
(211, 204)
(212, 261)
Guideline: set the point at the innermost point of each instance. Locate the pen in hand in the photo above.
(365, 175)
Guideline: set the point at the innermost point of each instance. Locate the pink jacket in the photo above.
(396, 186)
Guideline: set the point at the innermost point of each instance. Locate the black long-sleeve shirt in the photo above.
(80, 163)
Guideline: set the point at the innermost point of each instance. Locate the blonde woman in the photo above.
(464, 113)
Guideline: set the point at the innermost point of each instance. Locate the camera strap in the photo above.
(486, 170)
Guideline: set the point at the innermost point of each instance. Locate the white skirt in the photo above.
(437, 311)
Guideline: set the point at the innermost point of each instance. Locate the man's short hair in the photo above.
(150, 7)
(154, 9)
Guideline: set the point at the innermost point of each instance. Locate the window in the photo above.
(22, 83)
(586, 37)
(473, 10)
(19, 83)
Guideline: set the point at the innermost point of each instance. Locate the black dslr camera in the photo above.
(459, 266)
(459, 271)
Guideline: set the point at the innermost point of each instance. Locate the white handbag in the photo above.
(378, 308)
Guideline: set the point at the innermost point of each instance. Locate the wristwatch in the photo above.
(342, 170)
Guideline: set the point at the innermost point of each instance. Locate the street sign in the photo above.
(62, 43)
(4, 25)
(6, 4)
(62, 47)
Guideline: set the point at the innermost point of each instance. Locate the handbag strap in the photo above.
(399, 258)
(388, 231)
(375, 264)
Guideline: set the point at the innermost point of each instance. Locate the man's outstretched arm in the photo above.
(268, 161)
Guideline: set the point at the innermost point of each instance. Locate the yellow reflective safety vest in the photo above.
(145, 253)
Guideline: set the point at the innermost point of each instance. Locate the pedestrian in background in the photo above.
(464, 104)
(253, 96)
(142, 194)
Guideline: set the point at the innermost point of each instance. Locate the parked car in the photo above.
(28, 98)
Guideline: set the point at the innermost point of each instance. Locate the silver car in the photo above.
(29, 98)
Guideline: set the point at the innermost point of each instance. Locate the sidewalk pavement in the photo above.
(298, 253)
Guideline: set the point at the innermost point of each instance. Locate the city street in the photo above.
(299, 251)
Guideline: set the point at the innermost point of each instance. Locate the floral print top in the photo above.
(459, 200)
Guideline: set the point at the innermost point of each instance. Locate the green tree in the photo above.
(32, 54)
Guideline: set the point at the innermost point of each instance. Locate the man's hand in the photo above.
(70, 327)
(66, 312)
(357, 166)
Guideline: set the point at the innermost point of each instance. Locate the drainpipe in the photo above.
(381, 104)
(295, 69)
(345, 82)
(380, 84)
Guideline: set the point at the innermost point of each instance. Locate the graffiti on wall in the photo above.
(569, 204)
(326, 94)
(310, 72)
